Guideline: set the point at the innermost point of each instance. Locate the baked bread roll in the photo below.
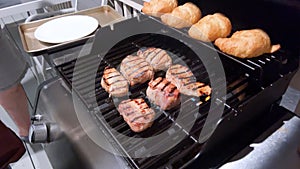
(247, 44)
(211, 27)
(159, 7)
(182, 16)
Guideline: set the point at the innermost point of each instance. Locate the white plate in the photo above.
(66, 28)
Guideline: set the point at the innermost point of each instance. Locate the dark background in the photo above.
(279, 18)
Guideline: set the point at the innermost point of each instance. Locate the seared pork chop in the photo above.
(183, 78)
(158, 58)
(163, 93)
(137, 114)
(136, 70)
(114, 83)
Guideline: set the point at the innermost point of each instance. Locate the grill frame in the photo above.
(256, 84)
(116, 113)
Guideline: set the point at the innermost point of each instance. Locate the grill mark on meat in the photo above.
(166, 84)
(124, 102)
(160, 80)
(158, 58)
(136, 72)
(127, 107)
(141, 116)
(175, 67)
(139, 74)
(161, 85)
(198, 87)
(131, 59)
(186, 82)
(106, 79)
(117, 81)
(136, 66)
(178, 73)
(187, 77)
(154, 53)
(113, 82)
(180, 69)
(205, 90)
(112, 76)
(108, 68)
(173, 88)
(141, 64)
(148, 52)
(163, 93)
(161, 57)
(142, 105)
(150, 55)
(189, 82)
(201, 87)
(133, 65)
(170, 89)
(129, 113)
(157, 83)
(143, 68)
(118, 88)
(139, 101)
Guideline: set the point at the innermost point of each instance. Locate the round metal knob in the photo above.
(44, 132)
(38, 133)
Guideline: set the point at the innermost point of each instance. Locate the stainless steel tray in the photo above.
(104, 14)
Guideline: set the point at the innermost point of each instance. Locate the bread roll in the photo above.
(247, 44)
(211, 27)
(182, 16)
(159, 7)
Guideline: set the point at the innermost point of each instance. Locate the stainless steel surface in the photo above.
(277, 151)
(37, 117)
(70, 54)
(276, 148)
(12, 11)
(105, 15)
(136, 4)
(56, 106)
(291, 99)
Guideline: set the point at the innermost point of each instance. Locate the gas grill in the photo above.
(253, 88)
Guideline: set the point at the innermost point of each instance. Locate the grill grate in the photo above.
(83, 83)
